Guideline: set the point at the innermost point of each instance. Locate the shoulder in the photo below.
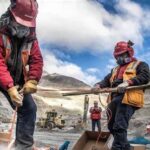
(35, 44)
(115, 68)
(1, 40)
(142, 64)
(138, 64)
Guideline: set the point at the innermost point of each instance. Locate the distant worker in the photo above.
(128, 72)
(96, 116)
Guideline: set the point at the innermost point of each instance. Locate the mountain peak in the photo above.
(59, 81)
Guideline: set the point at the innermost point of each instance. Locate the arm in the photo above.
(35, 63)
(100, 109)
(91, 109)
(143, 75)
(6, 80)
(105, 82)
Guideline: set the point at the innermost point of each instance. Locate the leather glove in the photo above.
(30, 87)
(16, 98)
(96, 88)
(122, 87)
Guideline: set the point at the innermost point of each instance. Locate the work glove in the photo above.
(96, 88)
(29, 87)
(122, 87)
(16, 98)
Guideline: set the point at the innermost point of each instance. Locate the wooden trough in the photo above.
(93, 141)
(5, 137)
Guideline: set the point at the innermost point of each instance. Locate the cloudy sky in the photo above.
(77, 37)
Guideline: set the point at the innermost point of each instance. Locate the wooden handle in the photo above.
(105, 90)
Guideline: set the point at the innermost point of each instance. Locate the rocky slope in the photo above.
(53, 81)
(61, 81)
(141, 117)
(72, 107)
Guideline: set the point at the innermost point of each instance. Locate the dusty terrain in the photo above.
(71, 108)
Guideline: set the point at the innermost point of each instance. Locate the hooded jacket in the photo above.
(32, 61)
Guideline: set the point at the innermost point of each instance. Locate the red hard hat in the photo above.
(25, 12)
(122, 47)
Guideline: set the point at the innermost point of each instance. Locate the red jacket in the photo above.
(33, 59)
(95, 113)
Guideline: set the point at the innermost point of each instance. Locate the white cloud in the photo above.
(4, 5)
(111, 64)
(55, 65)
(130, 9)
(145, 57)
(93, 70)
(81, 24)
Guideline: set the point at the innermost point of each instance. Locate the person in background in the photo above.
(96, 116)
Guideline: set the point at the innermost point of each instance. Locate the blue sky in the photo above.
(77, 37)
(97, 63)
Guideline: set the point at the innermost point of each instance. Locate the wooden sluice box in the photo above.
(93, 141)
(5, 137)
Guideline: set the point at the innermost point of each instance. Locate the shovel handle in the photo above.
(105, 90)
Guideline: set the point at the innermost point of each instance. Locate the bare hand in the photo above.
(96, 88)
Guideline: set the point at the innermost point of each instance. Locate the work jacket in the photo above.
(32, 61)
(135, 73)
(95, 113)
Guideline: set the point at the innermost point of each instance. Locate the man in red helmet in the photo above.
(129, 72)
(21, 66)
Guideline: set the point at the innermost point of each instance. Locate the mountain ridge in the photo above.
(61, 81)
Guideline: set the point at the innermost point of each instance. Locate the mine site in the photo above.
(62, 119)
(74, 75)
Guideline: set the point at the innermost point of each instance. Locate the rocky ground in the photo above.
(71, 108)
(141, 118)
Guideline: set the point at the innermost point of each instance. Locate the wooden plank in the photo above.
(5, 136)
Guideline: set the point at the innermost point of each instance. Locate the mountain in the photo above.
(61, 81)
(54, 81)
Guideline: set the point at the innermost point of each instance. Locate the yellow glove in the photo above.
(30, 87)
(15, 96)
(122, 87)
